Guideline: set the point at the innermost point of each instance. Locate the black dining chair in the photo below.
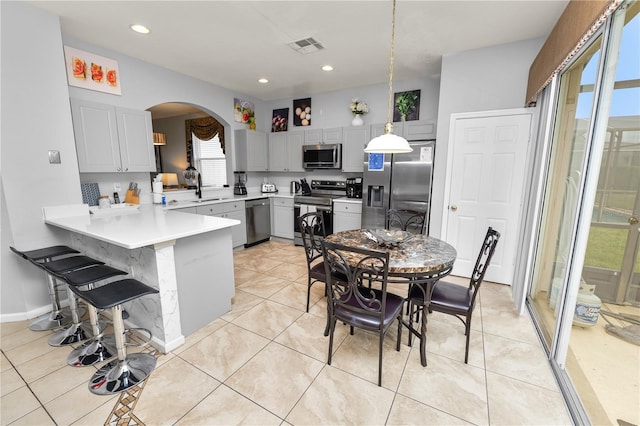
(366, 308)
(311, 227)
(406, 220)
(454, 299)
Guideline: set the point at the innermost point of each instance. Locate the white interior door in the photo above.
(488, 154)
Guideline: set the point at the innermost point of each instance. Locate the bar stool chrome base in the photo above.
(120, 375)
(51, 321)
(73, 334)
(94, 351)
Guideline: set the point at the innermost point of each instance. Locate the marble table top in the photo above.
(420, 255)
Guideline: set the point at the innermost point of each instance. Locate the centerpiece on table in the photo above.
(358, 108)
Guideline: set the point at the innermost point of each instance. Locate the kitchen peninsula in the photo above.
(187, 257)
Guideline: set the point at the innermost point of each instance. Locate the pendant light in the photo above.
(388, 143)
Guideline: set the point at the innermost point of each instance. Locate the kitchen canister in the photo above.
(103, 202)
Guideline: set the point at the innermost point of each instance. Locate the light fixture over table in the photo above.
(388, 143)
(159, 138)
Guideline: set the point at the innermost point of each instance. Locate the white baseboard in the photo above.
(31, 314)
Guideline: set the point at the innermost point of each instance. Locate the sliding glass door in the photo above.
(585, 292)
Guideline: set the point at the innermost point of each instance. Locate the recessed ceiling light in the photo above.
(140, 29)
(327, 68)
(263, 80)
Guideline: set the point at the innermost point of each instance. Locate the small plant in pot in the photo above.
(406, 104)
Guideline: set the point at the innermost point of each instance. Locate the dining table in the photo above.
(418, 259)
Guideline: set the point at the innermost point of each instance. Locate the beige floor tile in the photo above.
(200, 334)
(261, 263)
(295, 296)
(241, 303)
(265, 286)
(222, 353)
(16, 405)
(21, 337)
(76, 403)
(447, 385)
(505, 322)
(214, 410)
(275, 378)
(242, 276)
(60, 381)
(520, 361)
(494, 295)
(514, 402)
(30, 349)
(406, 411)
(268, 319)
(449, 340)
(37, 417)
(358, 355)
(98, 416)
(8, 328)
(289, 271)
(171, 391)
(320, 307)
(42, 365)
(10, 380)
(306, 335)
(4, 363)
(336, 397)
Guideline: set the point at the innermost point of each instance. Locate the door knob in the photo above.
(633, 220)
(453, 208)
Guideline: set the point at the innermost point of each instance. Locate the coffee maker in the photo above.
(240, 187)
(354, 187)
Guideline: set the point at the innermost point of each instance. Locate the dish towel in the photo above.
(90, 193)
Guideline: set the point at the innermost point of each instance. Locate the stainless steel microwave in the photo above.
(323, 156)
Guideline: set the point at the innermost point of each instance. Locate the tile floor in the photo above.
(264, 362)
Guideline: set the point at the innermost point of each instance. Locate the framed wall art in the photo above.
(302, 112)
(406, 106)
(243, 110)
(91, 71)
(280, 120)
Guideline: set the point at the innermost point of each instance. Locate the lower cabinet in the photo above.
(347, 215)
(230, 210)
(282, 217)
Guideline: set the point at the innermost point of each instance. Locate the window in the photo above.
(210, 161)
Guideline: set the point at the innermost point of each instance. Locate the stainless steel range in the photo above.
(323, 192)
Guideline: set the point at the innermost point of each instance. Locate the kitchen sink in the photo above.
(208, 199)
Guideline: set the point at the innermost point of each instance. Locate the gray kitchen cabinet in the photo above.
(320, 136)
(355, 139)
(252, 151)
(187, 210)
(229, 210)
(285, 151)
(112, 139)
(410, 130)
(347, 215)
(282, 217)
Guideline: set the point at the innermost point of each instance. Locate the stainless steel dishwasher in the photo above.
(258, 213)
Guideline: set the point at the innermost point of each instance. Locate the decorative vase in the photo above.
(357, 120)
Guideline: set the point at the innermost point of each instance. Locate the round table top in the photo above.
(420, 255)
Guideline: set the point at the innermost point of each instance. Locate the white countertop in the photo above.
(348, 200)
(214, 199)
(148, 225)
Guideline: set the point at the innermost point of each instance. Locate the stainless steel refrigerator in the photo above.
(397, 181)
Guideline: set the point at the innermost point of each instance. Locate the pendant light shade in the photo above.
(159, 138)
(388, 143)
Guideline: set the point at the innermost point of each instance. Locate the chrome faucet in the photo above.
(199, 188)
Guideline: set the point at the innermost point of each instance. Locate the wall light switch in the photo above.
(54, 157)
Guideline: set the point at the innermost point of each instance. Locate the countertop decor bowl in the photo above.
(390, 238)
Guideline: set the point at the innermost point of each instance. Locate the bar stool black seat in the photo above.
(128, 370)
(56, 318)
(101, 347)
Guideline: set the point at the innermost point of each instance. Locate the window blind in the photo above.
(210, 161)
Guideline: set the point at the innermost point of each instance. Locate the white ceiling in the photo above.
(233, 43)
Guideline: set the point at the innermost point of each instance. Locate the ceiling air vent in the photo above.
(305, 46)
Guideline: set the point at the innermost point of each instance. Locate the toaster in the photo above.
(269, 187)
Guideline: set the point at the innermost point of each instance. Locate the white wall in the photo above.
(477, 80)
(36, 117)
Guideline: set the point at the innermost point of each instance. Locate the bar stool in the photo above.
(101, 347)
(55, 318)
(128, 370)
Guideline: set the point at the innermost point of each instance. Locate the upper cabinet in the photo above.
(252, 151)
(320, 136)
(355, 139)
(285, 151)
(410, 130)
(112, 139)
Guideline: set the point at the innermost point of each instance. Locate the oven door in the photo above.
(301, 209)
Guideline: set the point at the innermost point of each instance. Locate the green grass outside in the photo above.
(606, 248)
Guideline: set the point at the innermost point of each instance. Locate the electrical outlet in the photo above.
(116, 187)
